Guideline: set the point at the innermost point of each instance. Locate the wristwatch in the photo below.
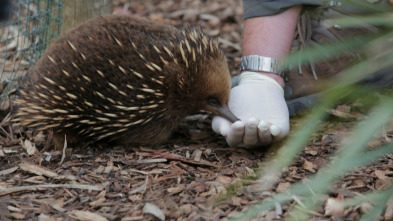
(261, 63)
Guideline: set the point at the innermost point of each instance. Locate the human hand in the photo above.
(258, 100)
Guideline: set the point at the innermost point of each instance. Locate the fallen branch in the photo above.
(8, 191)
(169, 156)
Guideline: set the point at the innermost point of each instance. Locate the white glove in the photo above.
(259, 102)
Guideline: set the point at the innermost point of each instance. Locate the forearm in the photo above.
(257, 100)
(270, 36)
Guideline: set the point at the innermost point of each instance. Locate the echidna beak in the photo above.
(226, 113)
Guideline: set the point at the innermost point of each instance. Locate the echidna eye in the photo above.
(214, 102)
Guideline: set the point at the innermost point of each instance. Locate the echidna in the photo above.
(124, 79)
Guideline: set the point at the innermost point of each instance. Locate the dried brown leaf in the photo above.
(389, 209)
(197, 155)
(186, 208)
(140, 189)
(8, 171)
(86, 215)
(58, 205)
(135, 198)
(10, 150)
(97, 202)
(334, 206)
(309, 166)
(236, 201)
(154, 210)
(29, 147)
(311, 152)
(174, 190)
(212, 191)
(250, 172)
(14, 209)
(18, 216)
(40, 137)
(344, 108)
(381, 175)
(43, 217)
(197, 186)
(100, 169)
(108, 167)
(37, 170)
(36, 179)
(365, 207)
(341, 114)
(101, 194)
(375, 143)
(225, 180)
(283, 187)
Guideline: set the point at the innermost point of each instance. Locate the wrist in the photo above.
(266, 83)
(266, 66)
(276, 77)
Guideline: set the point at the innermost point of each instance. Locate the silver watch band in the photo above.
(261, 63)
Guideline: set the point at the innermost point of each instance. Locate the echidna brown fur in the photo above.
(123, 79)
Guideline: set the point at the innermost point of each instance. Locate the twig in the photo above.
(140, 189)
(315, 213)
(356, 187)
(178, 158)
(358, 174)
(139, 171)
(6, 133)
(64, 148)
(48, 141)
(11, 131)
(8, 191)
(289, 209)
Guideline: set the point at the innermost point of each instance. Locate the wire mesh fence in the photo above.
(30, 27)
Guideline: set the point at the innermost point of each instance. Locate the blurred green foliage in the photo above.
(376, 57)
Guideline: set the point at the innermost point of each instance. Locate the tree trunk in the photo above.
(76, 12)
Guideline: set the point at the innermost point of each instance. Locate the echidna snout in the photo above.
(216, 90)
(123, 79)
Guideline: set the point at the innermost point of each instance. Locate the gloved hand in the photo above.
(258, 100)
